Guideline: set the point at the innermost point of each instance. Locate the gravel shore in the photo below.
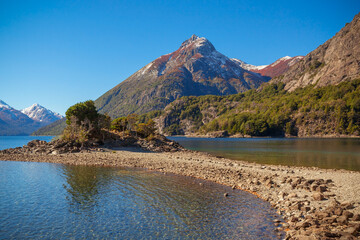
(315, 203)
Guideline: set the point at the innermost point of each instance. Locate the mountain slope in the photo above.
(275, 69)
(195, 69)
(41, 114)
(53, 129)
(335, 61)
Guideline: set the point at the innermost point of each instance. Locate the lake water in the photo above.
(56, 201)
(322, 153)
(19, 141)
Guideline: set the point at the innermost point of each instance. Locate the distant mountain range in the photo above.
(26, 121)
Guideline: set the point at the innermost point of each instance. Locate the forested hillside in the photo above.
(272, 111)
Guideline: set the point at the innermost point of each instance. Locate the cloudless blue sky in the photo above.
(57, 53)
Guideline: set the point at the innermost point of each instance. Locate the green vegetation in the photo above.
(82, 111)
(133, 123)
(272, 111)
(84, 123)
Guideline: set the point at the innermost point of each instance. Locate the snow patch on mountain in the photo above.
(295, 60)
(280, 60)
(248, 66)
(4, 105)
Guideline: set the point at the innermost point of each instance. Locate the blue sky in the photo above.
(58, 53)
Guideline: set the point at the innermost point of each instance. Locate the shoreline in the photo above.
(266, 137)
(314, 202)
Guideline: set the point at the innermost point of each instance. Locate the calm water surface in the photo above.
(19, 141)
(55, 201)
(323, 153)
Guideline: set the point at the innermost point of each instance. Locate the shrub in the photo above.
(119, 124)
(81, 111)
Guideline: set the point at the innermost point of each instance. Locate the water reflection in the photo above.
(141, 204)
(323, 153)
(83, 183)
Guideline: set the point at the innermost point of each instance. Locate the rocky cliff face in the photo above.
(335, 61)
(195, 69)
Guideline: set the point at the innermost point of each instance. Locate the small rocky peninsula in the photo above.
(158, 143)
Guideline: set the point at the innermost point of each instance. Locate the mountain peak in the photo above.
(194, 69)
(193, 37)
(199, 44)
(40, 113)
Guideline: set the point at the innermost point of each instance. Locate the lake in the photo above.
(19, 141)
(323, 153)
(56, 201)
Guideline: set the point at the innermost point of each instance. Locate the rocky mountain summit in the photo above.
(195, 69)
(41, 114)
(335, 61)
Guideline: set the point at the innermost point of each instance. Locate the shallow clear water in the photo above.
(323, 153)
(19, 141)
(55, 201)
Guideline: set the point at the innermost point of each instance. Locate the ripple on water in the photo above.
(43, 200)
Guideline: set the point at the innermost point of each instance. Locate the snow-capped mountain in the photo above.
(15, 122)
(195, 69)
(41, 114)
(275, 69)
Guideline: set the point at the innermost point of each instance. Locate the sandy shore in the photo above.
(315, 203)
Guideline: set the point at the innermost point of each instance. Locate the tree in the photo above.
(146, 129)
(83, 121)
(104, 121)
(131, 121)
(119, 124)
(82, 111)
